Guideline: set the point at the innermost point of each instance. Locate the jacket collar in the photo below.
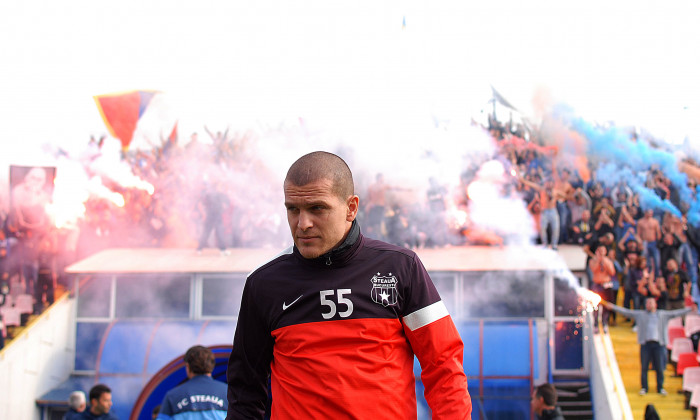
(341, 253)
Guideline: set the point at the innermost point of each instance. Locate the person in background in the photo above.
(549, 216)
(616, 280)
(652, 330)
(76, 405)
(646, 284)
(677, 285)
(201, 397)
(580, 202)
(213, 204)
(100, 404)
(154, 414)
(649, 230)
(564, 192)
(544, 401)
(632, 274)
(46, 275)
(582, 229)
(602, 271)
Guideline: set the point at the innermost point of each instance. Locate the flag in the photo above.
(172, 138)
(498, 97)
(122, 111)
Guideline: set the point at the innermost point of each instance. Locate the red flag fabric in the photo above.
(172, 139)
(121, 112)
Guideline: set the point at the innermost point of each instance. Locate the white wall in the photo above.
(608, 392)
(38, 360)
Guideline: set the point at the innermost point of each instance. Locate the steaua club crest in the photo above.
(384, 291)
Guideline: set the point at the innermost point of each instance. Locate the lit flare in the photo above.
(591, 299)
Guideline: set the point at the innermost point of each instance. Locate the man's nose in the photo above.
(304, 222)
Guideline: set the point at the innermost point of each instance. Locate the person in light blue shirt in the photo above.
(201, 397)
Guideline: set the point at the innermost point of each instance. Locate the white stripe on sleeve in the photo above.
(425, 316)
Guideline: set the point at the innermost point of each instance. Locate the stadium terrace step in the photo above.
(574, 398)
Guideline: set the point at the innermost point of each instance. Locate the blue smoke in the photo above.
(624, 159)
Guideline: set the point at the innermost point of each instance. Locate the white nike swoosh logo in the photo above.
(285, 306)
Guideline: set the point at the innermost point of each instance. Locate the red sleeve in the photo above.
(439, 348)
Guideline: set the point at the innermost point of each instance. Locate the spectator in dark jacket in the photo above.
(544, 401)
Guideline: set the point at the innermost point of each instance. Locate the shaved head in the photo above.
(318, 166)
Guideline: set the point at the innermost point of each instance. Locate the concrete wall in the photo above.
(38, 360)
(608, 392)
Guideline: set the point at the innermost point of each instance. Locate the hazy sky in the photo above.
(350, 67)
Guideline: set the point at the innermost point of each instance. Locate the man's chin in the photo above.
(310, 252)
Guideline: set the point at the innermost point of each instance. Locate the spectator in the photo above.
(549, 216)
(616, 279)
(564, 192)
(652, 330)
(677, 285)
(213, 205)
(604, 222)
(46, 276)
(100, 404)
(544, 401)
(582, 229)
(629, 245)
(376, 207)
(624, 219)
(685, 252)
(315, 355)
(603, 270)
(647, 284)
(535, 210)
(634, 271)
(201, 397)
(76, 405)
(589, 248)
(668, 249)
(649, 230)
(693, 234)
(650, 413)
(595, 192)
(620, 194)
(579, 204)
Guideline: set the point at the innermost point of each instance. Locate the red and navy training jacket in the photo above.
(338, 334)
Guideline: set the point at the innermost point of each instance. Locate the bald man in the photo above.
(335, 320)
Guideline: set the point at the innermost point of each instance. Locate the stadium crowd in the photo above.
(204, 187)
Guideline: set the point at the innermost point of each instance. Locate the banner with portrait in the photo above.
(31, 191)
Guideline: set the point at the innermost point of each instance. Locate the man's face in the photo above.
(586, 216)
(101, 405)
(318, 219)
(536, 403)
(651, 305)
(35, 179)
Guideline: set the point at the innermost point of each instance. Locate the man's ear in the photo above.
(353, 204)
